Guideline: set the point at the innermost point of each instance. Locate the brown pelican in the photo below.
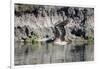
(59, 31)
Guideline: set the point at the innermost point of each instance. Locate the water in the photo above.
(44, 53)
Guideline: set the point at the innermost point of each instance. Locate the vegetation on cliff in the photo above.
(33, 22)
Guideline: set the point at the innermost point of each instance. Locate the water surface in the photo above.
(43, 53)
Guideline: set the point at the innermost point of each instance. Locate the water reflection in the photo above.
(42, 53)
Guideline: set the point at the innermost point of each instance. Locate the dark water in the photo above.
(43, 53)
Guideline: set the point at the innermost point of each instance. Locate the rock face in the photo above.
(53, 21)
(22, 33)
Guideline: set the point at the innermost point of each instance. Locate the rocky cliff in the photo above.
(39, 21)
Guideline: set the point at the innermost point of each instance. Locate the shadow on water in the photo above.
(42, 53)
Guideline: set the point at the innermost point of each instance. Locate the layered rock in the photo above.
(43, 21)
